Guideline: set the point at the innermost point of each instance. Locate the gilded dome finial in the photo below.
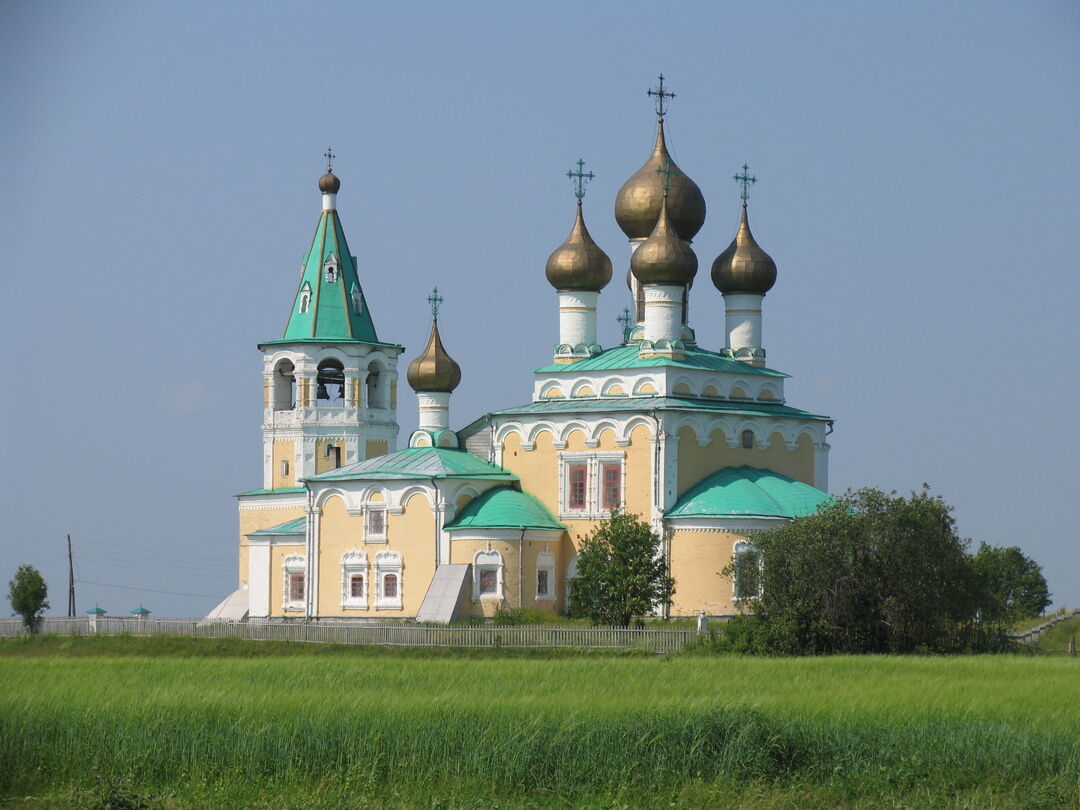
(579, 263)
(662, 96)
(329, 182)
(434, 370)
(664, 258)
(744, 267)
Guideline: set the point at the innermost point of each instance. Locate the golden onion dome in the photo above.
(744, 267)
(329, 183)
(664, 258)
(637, 205)
(434, 370)
(578, 263)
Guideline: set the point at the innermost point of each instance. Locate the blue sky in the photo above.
(917, 187)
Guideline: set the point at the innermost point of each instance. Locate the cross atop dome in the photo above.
(662, 96)
(669, 171)
(579, 179)
(435, 300)
(745, 180)
(329, 155)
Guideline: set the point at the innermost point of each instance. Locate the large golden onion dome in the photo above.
(744, 267)
(637, 205)
(329, 183)
(434, 370)
(664, 258)
(578, 263)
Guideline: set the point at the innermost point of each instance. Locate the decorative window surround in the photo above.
(487, 575)
(594, 464)
(354, 566)
(294, 583)
(545, 576)
(375, 525)
(388, 580)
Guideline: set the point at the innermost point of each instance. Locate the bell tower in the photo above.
(329, 383)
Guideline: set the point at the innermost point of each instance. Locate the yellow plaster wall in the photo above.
(322, 462)
(251, 520)
(277, 578)
(463, 551)
(357, 387)
(284, 450)
(697, 558)
(696, 462)
(376, 447)
(393, 393)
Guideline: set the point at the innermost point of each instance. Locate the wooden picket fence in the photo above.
(657, 640)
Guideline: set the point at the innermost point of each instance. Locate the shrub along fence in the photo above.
(657, 640)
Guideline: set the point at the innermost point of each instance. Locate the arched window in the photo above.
(305, 301)
(748, 439)
(330, 385)
(747, 560)
(283, 393)
(545, 576)
(376, 385)
(388, 580)
(333, 452)
(487, 575)
(357, 300)
(354, 580)
(294, 568)
(331, 270)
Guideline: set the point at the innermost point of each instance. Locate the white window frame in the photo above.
(293, 564)
(372, 536)
(354, 561)
(545, 561)
(749, 546)
(488, 561)
(331, 270)
(388, 562)
(594, 463)
(357, 300)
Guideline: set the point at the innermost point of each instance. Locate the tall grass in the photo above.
(336, 729)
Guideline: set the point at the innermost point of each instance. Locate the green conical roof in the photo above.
(335, 307)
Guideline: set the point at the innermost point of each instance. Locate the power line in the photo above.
(188, 570)
(148, 590)
(155, 552)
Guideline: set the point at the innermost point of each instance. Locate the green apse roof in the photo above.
(419, 462)
(336, 309)
(297, 526)
(504, 508)
(748, 492)
(658, 403)
(624, 357)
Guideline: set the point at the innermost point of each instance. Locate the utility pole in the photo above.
(71, 582)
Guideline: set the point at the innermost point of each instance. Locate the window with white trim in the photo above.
(748, 439)
(375, 525)
(748, 566)
(545, 576)
(487, 575)
(388, 580)
(591, 484)
(294, 586)
(331, 269)
(354, 575)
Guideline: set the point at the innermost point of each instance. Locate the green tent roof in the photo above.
(748, 492)
(297, 526)
(419, 462)
(336, 308)
(504, 508)
(625, 357)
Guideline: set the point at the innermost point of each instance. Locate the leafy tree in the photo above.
(27, 592)
(621, 572)
(1011, 585)
(869, 572)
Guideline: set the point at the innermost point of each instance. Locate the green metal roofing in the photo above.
(419, 462)
(332, 313)
(297, 526)
(504, 508)
(604, 404)
(748, 492)
(627, 357)
(282, 491)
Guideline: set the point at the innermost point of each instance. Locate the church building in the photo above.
(469, 518)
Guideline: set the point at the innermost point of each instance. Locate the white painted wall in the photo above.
(577, 317)
(743, 320)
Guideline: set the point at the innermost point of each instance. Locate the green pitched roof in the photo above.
(297, 526)
(504, 508)
(657, 403)
(336, 308)
(626, 357)
(748, 492)
(282, 491)
(419, 462)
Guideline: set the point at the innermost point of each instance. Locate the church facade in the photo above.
(461, 522)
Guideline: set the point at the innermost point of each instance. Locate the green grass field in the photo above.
(124, 723)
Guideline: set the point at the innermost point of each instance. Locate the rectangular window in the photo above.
(542, 582)
(489, 581)
(296, 587)
(376, 523)
(577, 478)
(356, 586)
(611, 484)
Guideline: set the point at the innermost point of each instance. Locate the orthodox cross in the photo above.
(436, 301)
(669, 171)
(624, 319)
(329, 155)
(745, 180)
(579, 179)
(661, 96)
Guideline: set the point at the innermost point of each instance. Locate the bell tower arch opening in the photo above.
(330, 384)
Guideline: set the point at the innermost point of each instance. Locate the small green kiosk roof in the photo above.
(504, 508)
(749, 492)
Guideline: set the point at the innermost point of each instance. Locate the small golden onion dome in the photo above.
(637, 205)
(434, 370)
(664, 258)
(744, 267)
(329, 183)
(578, 263)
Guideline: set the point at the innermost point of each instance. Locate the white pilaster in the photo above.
(821, 465)
(434, 410)
(258, 576)
(577, 317)
(743, 320)
(663, 312)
